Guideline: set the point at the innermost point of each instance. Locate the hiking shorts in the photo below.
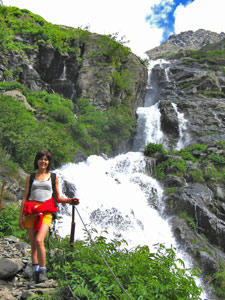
(29, 219)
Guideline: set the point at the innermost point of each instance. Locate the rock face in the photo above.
(192, 88)
(184, 41)
(73, 76)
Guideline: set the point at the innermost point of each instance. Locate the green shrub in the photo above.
(217, 159)
(196, 175)
(218, 281)
(221, 143)
(23, 136)
(180, 164)
(122, 80)
(190, 221)
(9, 219)
(143, 274)
(152, 148)
(186, 155)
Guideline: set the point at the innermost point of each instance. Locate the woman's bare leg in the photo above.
(32, 236)
(40, 246)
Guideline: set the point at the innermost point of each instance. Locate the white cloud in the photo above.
(200, 14)
(163, 8)
(125, 17)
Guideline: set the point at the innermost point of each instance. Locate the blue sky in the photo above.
(143, 23)
(162, 16)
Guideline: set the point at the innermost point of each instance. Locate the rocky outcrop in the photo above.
(199, 96)
(193, 40)
(190, 91)
(16, 272)
(72, 75)
(194, 205)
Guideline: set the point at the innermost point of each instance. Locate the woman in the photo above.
(37, 206)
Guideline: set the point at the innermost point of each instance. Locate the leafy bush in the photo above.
(196, 175)
(122, 80)
(152, 148)
(190, 221)
(217, 159)
(54, 127)
(186, 155)
(143, 274)
(9, 218)
(108, 127)
(218, 281)
(15, 21)
(23, 136)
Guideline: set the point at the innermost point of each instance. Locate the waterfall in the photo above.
(116, 194)
(183, 136)
(148, 128)
(63, 75)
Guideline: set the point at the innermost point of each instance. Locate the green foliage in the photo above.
(200, 147)
(161, 169)
(221, 144)
(202, 55)
(112, 48)
(108, 127)
(209, 166)
(186, 155)
(218, 281)
(54, 127)
(59, 109)
(8, 167)
(196, 175)
(143, 274)
(179, 165)
(115, 53)
(9, 218)
(190, 221)
(170, 166)
(217, 159)
(23, 136)
(209, 59)
(212, 94)
(122, 80)
(15, 21)
(93, 131)
(9, 86)
(152, 148)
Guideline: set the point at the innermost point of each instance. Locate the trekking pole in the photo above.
(3, 186)
(72, 233)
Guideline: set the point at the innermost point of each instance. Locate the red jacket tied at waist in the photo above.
(31, 207)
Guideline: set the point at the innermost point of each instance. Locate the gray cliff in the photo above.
(194, 81)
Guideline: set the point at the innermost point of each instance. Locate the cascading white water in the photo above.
(183, 136)
(63, 75)
(118, 196)
(148, 129)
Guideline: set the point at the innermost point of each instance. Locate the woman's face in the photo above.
(43, 162)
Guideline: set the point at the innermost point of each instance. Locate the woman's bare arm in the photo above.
(60, 199)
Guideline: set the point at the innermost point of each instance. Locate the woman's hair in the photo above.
(39, 155)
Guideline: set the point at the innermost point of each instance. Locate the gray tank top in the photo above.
(41, 190)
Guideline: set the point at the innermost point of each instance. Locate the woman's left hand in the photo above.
(74, 201)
